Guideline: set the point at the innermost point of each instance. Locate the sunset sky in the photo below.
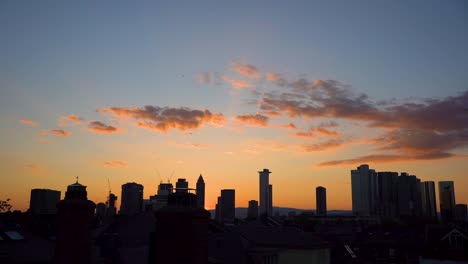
(132, 92)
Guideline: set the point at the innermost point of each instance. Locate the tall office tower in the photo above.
(227, 205)
(264, 192)
(201, 192)
(181, 232)
(461, 213)
(409, 195)
(447, 201)
(387, 184)
(321, 200)
(111, 209)
(428, 200)
(75, 215)
(182, 185)
(44, 201)
(252, 212)
(270, 200)
(218, 209)
(364, 191)
(160, 199)
(132, 199)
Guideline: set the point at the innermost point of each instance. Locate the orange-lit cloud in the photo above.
(101, 128)
(163, 119)
(323, 145)
(55, 132)
(326, 132)
(253, 120)
(288, 126)
(386, 158)
(187, 145)
(238, 84)
(114, 164)
(248, 70)
(74, 119)
(304, 134)
(28, 122)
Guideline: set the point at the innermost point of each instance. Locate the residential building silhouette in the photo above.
(265, 195)
(428, 200)
(447, 201)
(74, 218)
(44, 201)
(201, 192)
(364, 191)
(409, 195)
(387, 188)
(252, 211)
(132, 199)
(321, 201)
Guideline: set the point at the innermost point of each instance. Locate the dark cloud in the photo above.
(165, 118)
(253, 120)
(101, 128)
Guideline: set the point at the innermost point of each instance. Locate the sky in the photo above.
(150, 91)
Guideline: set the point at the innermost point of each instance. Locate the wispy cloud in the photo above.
(323, 145)
(248, 70)
(55, 132)
(163, 119)
(187, 145)
(253, 120)
(237, 84)
(28, 122)
(101, 128)
(288, 126)
(114, 164)
(70, 119)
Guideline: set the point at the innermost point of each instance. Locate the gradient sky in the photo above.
(132, 92)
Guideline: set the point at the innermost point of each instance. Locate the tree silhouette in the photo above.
(5, 206)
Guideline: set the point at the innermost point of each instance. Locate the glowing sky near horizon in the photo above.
(131, 92)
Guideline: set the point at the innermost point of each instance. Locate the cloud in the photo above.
(55, 132)
(323, 145)
(248, 70)
(74, 119)
(163, 119)
(101, 128)
(238, 84)
(187, 145)
(305, 134)
(253, 120)
(385, 158)
(114, 164)
(29, 122)
(288, 126)
(326, 132)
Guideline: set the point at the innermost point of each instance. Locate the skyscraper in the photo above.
(364, 191)
(252, 212)
(447, 200)
(428, 200)
(132, 199)
(182, 185)
(409, 195)
(461, 213)
(111, 209)
(264, 192)
(227, 205)
(387, 185)
(321, 200)
(44, 201)
(201, 192)
(74, 221)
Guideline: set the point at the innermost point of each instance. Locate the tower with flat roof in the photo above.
(265, 189)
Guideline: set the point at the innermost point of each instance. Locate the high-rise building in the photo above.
(132, 199)
(160, 199)
(321, 200)
(461, 213)
(364, 191)
(75, 215)
(111, 208)
(266, 206)
(227, 205)
(428, 200)
(44, 201)
(252, 212)
(387, 189)
(201, 192)
(100, 210)
(182, 185)
(409, 195)
(447, 201)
